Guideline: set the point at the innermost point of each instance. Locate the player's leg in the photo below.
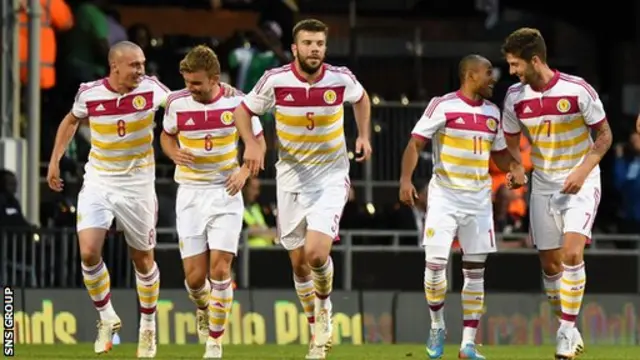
(94, 219)
(440, 228)
(546, 235)
(137, 218)
(291, 230)
(223, 234)
(323, 226)
(578, 220)
(477, 240)
(191, 224)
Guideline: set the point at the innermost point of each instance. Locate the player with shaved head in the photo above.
(465, 132)
(118, 183)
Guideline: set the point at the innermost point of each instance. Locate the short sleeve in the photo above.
(160, 92)
(510, 123)
(79, 109)
(499, 142)
(169, 122)
(432, 120)
(353, 92)
(591, 106)
(262, 97)
(256, 125)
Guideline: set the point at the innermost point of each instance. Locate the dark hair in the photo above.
(525, 43)
(310, 25)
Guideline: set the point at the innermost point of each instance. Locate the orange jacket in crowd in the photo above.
(517, 207)
(54, 14)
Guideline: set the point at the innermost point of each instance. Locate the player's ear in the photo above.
(294, 49)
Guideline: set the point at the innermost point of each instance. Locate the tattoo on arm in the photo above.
(603, 140)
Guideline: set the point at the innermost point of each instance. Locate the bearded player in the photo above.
(313, 167)
(558, 111)
(199, 136)
(465, 131)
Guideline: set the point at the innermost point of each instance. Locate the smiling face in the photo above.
(129, 67)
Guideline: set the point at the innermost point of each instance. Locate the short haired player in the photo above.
(313, 166)
(557, 111)
(465, 131)
(200, 137)
(118, 183)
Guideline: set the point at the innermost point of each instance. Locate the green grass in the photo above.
(297, 352)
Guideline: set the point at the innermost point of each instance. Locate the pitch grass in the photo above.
(297, 352)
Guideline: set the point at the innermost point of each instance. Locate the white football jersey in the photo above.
(557, 120)
(463, 132)
(208, 131)
(121, 125)
(309, 123)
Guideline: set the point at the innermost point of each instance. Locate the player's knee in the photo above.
(142, 260)
(551, 261)
(316, 257)
(573, 249)
(220, 271)
(474, 261)
(195, 278)
(90, 258)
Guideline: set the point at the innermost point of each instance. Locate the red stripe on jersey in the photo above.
(471, 122)
(548, 105)
(315, 96)
(129, 104)
(196, 120)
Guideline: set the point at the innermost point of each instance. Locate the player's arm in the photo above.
(596, 118)
(431, 121)
(256, 103)
(66, 130)
(169, 138)
(355, 94)
(236, 180)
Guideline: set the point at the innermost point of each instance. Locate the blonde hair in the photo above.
(201, 58)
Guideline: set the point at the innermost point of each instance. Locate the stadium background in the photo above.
(404, 52)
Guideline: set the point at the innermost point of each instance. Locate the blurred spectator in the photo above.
(260, 52)
(260, 234)
(117, 32)
(627, 182)
(88, 43)
(10, 210)
(55, 15)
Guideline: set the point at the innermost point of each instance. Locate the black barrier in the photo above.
(606, 274)
(263, 316)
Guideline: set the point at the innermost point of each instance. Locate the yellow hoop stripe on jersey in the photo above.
(558, 144)
(122, 145)
(130, 127)
(462, 143)
(143, 155)
(556, 127)
(302, 138)
(562, 157)
(459, 175)
(461, 161)
(310, 152)
(199, 143)
(304, 121)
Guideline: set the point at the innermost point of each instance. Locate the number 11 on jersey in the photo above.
(477, 144)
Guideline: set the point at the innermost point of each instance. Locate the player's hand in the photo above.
(253, 158)
(183, 157)
(408, 192)
(516, 178)
(574, 181)
(363, 149)
(228, 90)
(235, 182)
(53, 177)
